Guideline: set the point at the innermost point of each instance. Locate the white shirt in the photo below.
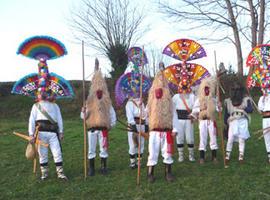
(264, 103)
(51, 108)
(133, 110)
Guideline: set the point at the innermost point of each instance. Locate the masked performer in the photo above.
(160, 111)
(204, 110)
(236, 117)
(100, 118)
(45, 121)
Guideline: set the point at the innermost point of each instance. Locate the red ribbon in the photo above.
(170, 142)
(105, 139)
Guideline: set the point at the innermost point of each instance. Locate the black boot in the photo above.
(202, 157)
(103, 169)
(150, 174)
(214, 156)
(91, 171)
(168, 173)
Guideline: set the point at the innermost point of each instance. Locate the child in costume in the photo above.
(133, 114)
(236, 117)
(100, 118)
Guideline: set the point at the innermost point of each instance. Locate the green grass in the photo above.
(193, 181)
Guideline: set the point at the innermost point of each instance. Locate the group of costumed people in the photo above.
(164, 117)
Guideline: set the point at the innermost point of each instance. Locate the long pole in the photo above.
(220, 113)
(84, 116)
(141, 111)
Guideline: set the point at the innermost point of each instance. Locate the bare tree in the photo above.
(229, 20)
(155, 56)
(110, 27)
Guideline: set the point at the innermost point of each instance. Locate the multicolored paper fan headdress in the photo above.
(259, 60)
(184, 50)
(128, 85)
(43, 85)
(137, 56)
(185, 75)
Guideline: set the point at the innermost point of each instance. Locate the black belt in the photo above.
(46, 125)
(182, 114)
(137, 120)
(97, 129)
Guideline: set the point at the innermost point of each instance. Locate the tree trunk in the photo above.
(261, 22)
(254, 23)
(236, 38)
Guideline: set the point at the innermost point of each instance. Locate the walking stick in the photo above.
(36, 151)
(140, 131)
(84, 117)
(220, 113)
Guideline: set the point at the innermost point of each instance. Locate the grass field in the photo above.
(193, 181)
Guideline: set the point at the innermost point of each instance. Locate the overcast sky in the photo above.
(20, 19)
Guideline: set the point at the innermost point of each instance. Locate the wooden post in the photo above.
(141, 111)
(84, 117)
(36, 150)
(220, 114)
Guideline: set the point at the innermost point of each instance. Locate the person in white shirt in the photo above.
(100, 118)
(49, 133)
(264, 107)
(133, 114)
(183, 124)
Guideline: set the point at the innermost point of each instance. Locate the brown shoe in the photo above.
(150, 174)
(215, 160)
(168, 173)
(201, 161)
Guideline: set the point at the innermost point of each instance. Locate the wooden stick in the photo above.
(219, 114)
(140, 131)
(262, 130)
(84, 117)
(36, 150)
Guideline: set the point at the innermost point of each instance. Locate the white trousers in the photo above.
(238, 132)
(133, 148)
(205, 127)
(157, 142)
(51, 139)
(266, 124)
(184, 130)
(93, 138)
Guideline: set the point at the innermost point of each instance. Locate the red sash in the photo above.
(170, 146)
(105, 142)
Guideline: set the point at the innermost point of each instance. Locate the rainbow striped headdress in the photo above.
(43, 85)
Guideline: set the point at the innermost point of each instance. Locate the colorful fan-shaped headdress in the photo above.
(128, 84)
(43, 85)
(185, 75)
(259, 60)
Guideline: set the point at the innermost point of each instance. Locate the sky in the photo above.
(21, 19)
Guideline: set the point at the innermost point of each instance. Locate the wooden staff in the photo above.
(220, 113)
(36, 151)
(28, 138)
(140, 131)
(84, 117)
